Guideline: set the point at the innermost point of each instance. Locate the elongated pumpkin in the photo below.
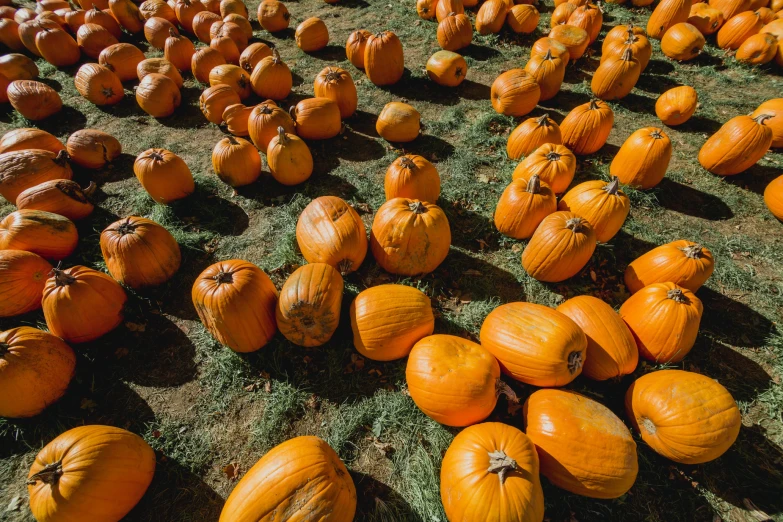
(666, 14)
(63, 197)
(22, 169)
(603, 204)
(554, 164)
(337, 85)
(548, 70)
(738, 145)
(289, 158)
(532, 134)
(737, 29)
(29, 138)
(682, 42)
(515, 93)
(49, 235)
(616, 77)
(586, 128)
(331, 231)
(643, 158)
(308, 310)
(560, 247)
(682, 262)
(384, 60)
(522, 207)
(413, 177)
(638, 44)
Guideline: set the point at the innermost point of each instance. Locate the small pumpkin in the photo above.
(586, 128)
(98, 84)
(548, 71)
(454, 32)
(24, 277)
(214, 100)
(158, 95)
(336, 84)
(308, 310)
(522, 207)
(15, 66)
(491, 16)
(554, 164)
(398, 122)
(532, 134)
(57, 47)
(738, 145)
(253, 54)
(157, 30)
(603, 204)
(355, 45)
(410, 237)
(638, 44)
(236, 302)
(164, 175)
(523, 18)
(705, 18)
(236, 161)
(186, 10)
(759, 49)
(682, 42)
(94, 38)
(426, 8)
(179, 51)
(273, 16)
(272, 78)
(446, 7)
(773, 107)
(667, 14)
(447, 68)
(773, 197)
(615, 78)
(22, 169)
(515, 93)
(203, 61)
(122, 59)
(330, 231)
(289, 158)
(682, 262)
(589, 17)
(677, 105)
(560, 247)
(311, 35)
(60, 196)
(317, 118)
(766, 14)
(29, 138)
(738, 29)
(159, 66)
(643, 158)
(34, 100)
(574, 38)
(263, 122)
(388, 320)
(384, 61)
(413, 177)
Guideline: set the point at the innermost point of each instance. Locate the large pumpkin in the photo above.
(677, 105)
(560, 247)
(311, 35)
(773, 107)
(515, 93)
(523, 18)
(413, 177)
(94, 38)
(22, 169)
(684, 416)
(24, 278)
(730, 8)
(301, 479)
(531, 134)
(454, 32)
(158, 95)
(203, 61)
(96, 473)
(759, 49)
(773, 197)
(289, 158)
(60, 196)
(253, 54)
(603, 204)
(388, 320)
(122, 59)
(586, 128)
(666, 14)
(398, 122)
(582, 446)
(737, 29)
(643, 158)
(236, 302)
(611, 348)
(682, 42)
(159, 66)
(490, 473)
(263, 122)
(236, 161)
(29, 138)
(522, 207)
(49, 235)
(410, 237)
(491, 16)
(308, 310)
(273, 16)
(98, 84)
(81, 304)
(337, 85)
(272, 78)
(57, 47)
(384, 61)
(331, 231)
(92, 149)
(589, 17)
(316, 118)
(34, 100)
(554, 164)
(535, 344)
(664, 319)
(681, 262)
(738, 145)
(214, 100)
(616, 76)
(164, 175)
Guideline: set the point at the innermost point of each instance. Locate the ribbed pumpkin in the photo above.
(139, 253)
(638, 44)
(104, 19)
(163, 175)
(589, 17)
(24, 14)
(534, 344)
(331, 231)
(738, 29)
(60, 196)
(515, 93)
(677, 105)
(413, 177)
(523, 18)
(682, 42)
(179, 50)
(643, 158)
(159, 66)
(773, 197)
(454, 381)
(758, 49)
(214, 100)
(16, 66)
(272, 78)
(157, 8)
(616, 77)
(586, 128)
(555, 47)
(9, 35)
(203, 61)
(229, 31)
(243, 23)
(302, 477)
(228, 7)
(30, 29)
(273, 16)
(454, 32)
(212, 6)
(565, 427)
(22, 169)
(384, 61)
(317, 118)
(81, 304)
(490, 472)
(57, 47)
(308, 310)
(337, 85)
(559, 248)
(548, 71)
(49, 235)
(232, 75)
(730, 8)
(237, 118)
(127, 14)
(253, 54)
(554, 164)
(684, 416)
(311, 35)
(410, 237)
(186, 10)
(35, 370)
(532, 134)
(157, 30)
(611, 348)
(225, 46)
(355, 45)
(398, 122)
(682, 262)
(29, 138)
(263, 122)
(388, 320)
(94, 38)
(158, 95)
(33, 100)
(491, 16)
(705, 18)
(574, 38)
(289, 158)
(562, 13)
(446, 7)
(122, 59)
(773, 107)
(667, 14)
(522, 206)
(236, 302)
(236, 161)
(602, 204)
(92, 149)
(447, 68)
(738, 145)
(426, 9)
(98, 84)
(24, 277)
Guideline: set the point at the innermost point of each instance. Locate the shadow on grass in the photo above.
(363, 122)
(563, 102)
(699, 124)
(66, 121)
(188, 114)
(477, 278)
(692, 202)
(755, 178)
(354, 146)
(377, 502)
(732, 321)
(330, 53)
(205, 209)
(480, 52)
(429, 146)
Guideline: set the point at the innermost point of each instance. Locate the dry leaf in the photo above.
(472, 272)
(135, 327)
(231, 471)
(88, 404)
(121, 352)
(15, 504)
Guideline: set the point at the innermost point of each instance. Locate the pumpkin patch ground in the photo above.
(210, 413)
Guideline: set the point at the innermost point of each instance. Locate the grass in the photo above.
(203, 407)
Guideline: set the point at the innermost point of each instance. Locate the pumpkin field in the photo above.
(502, 260)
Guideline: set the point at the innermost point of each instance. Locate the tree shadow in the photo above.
(733, 322)
(755, 178)
(377, 501)
(692, 202)
(330, 53)
(357, 147)
(207, 210)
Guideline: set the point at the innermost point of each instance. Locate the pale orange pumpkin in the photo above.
(682, 262)
(522, 207)
(515, 93)
(554, 164)
(603, 204)
(532, 134)
(413, 177)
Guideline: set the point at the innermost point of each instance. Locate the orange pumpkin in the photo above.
(92, 148)
(615, 78)
(94, 38)
(330, 231)
(586, 128)
(667, 14)
(548, 71)
(730, 8)
(57, 47)
(515, 93)
(81, 304)
(562, 13)
(454, 32)
(308, 310)
(447, 68)
(532, 134)
(554, 164)
(24, 277)
(684, 416)
(203, 61)
(272, 78)
(237, 118)
(490, 16)
(738, 29)
(236, 302)
(273, 16)
(238, 7)
(159, 66)
(236, 161)
(426, 9)
(589, 17)
(30, 29)
(289, 158)
(127, 14)
(157, 8)
(413, 177)
(534, 344)
(705, 18)
(179, 51)
(214, 100)
(398, 122)
(157, 30)
(263, 122)
(773, 197)
(317, 118)
(60, 196)
(122, 59)
(336, 84)
(232, 75)
(574, 38)
(773, 107)
(446, 7)
(311, 35)
(9, 35)
(253, 54)
(759, 49)
(29, 138)
(560, 247)
(33, 100)
(186, 11)
(523, 19)
(555, 47)
(158, 95)
(384, 61)
(15, 66)
(49, 235)
(104, 19)
(639, 45)
(163, 175)
(410, 237)
(677, 105)
(98, 84)
(738, 145)
(22, 169)
(355, 45)
(643, 158)
(681, 262)
(242, 22)
(224, 44)
(522, 207)
(388, 320)
(602, 204)
(682, 42)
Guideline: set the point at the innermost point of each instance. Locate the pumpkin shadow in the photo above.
(656, 83)
(577, 74)
(743, 377)
(733, 322)
(470, 230)
(471, 90)
(475, 278)
(296, 79)
(118, 170)
(51, 82)
(626, 248)
(755, 178)
(354, 146)
(691, 202)
(564, 101)
(423, 89)
(377, 501)
(637, 103)
(66, 121)
(659, 67)
(207, 210)
(698, 123)
(429, 146)
(330, 53)
(188, 114)
(481, 53)
(354, 4)
(364, 123)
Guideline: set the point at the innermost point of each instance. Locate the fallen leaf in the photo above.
(135, 327)
(384, 447)
(121, 352)
(88, 404)
(156, 434)
(231, 471)
(472, 272)
(15, 504)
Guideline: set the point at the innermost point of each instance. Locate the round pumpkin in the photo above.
(384, 61)
(60, 196)
(615, 78)
(157, 30)
(122, 59)
(232, 75)
(523, 19)
(548, 71)
(574, 38)
(263, 122)
(203, 61)
(98, 84)
(682, 262)
(682, 42)
(554, 164)
(337, 85)
(179, 50)
(308, 310)
(237, 118)
(560, 247)
(236, 161)
(289, 158)
(532, 134)
(677, 105)
(22, 169)
(730, 8)
(602, 204)
(49, 235)
(759, 49)
(773, 197)
(272, 78)
(105, 19)
(273, 16)
(94, 38)
(355, 45)
(24, 277)
(522, 207)
(413, 177)
(9, 35)
(92, 149)
(157, 8)
(643, 158)
(33, 100)
(555, 47)
(667, 14)
(589, 17)
(311, 35)
(447, 68)
(426, 8)
(159, 66)
(158, 95)
(186, 10)
(446, 7)
(316, 118)
(253, 54)
(454, 32)
(738, 145)
(164, 175)
(214, 100)
(127, 14)
(586, 128)
(562, 13)
(515, 93)
(398, 122)
(330, 231)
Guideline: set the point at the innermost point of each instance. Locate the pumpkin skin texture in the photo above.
(57, 47)
(534, 344)
(588, 17)
(236, 161)
(92, 149)
(638, 44)
(758, 49)
(410, 237)
(214, 100)
(582, 446)
(574, 38)
(555, 47)
(317, 118)
(312, 35)
(664, 319)
(586, 128)
(531, 134)
(490, 17)
(676, 106)
(562, 13)
(203, 61)
(81, 304)
(301, 479)
(102, 474)
(684, 416)
(447, 68)
(164, 175)
(643, 158)
(515, 93)
(29, 138)
(157, 30)
(122, 59)
(611, 348)
(773, 107)
(331, 231)
(289, 158)
(682, 42)
(253, 54)
(522, 207)
(603, 204)
(666, 14)
(426, 9)
(384, 61)
(477, 457)
(51, 236)
(98, 84)
(554, 164)
(158, 95)
(773, 197)
(273, 15)
(24, 278)
(523, 19)
(388, 320)
(446, 7)
(682, 262)
(730, 8)
(337, 85)
(263, 122)
(738, 29)
(560, 247)
(60, 196)
(35, 370)
(272, 78)
(308, 310)
(455, 32)
(705, 18)
(548, 71)
(413, 177)
(738, 145)
(454, 381)
(33, 100)
(139, 253)
(94, 38)
(355, 45)
(22, 169)
(399, 122)
(159, 66)
(616, 77)
(236, 302)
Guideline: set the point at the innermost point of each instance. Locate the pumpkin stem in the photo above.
(4, 348)
(90, 190)
(553, 156)
(452, 14)
(574, 362)
(62, 157)
(281, 135)
(223, 277)
(49, 475)
(276, 56)
(265, 109)
(501, 464)
(156, 155)
(417, 207)
(126, 228)
(543, 120)
(761, 118)
(501, 388)
(173, 32)
(593, 105)
(613, 187)
(345, 266)
(676, 295)
(232, 140)
(61, 278)
(333, 75)
(548, 55)
(575, 224)
(628, 55)
(657, 134)
(292, 112)
(693, 251)
(407, 163)
(534, 185)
